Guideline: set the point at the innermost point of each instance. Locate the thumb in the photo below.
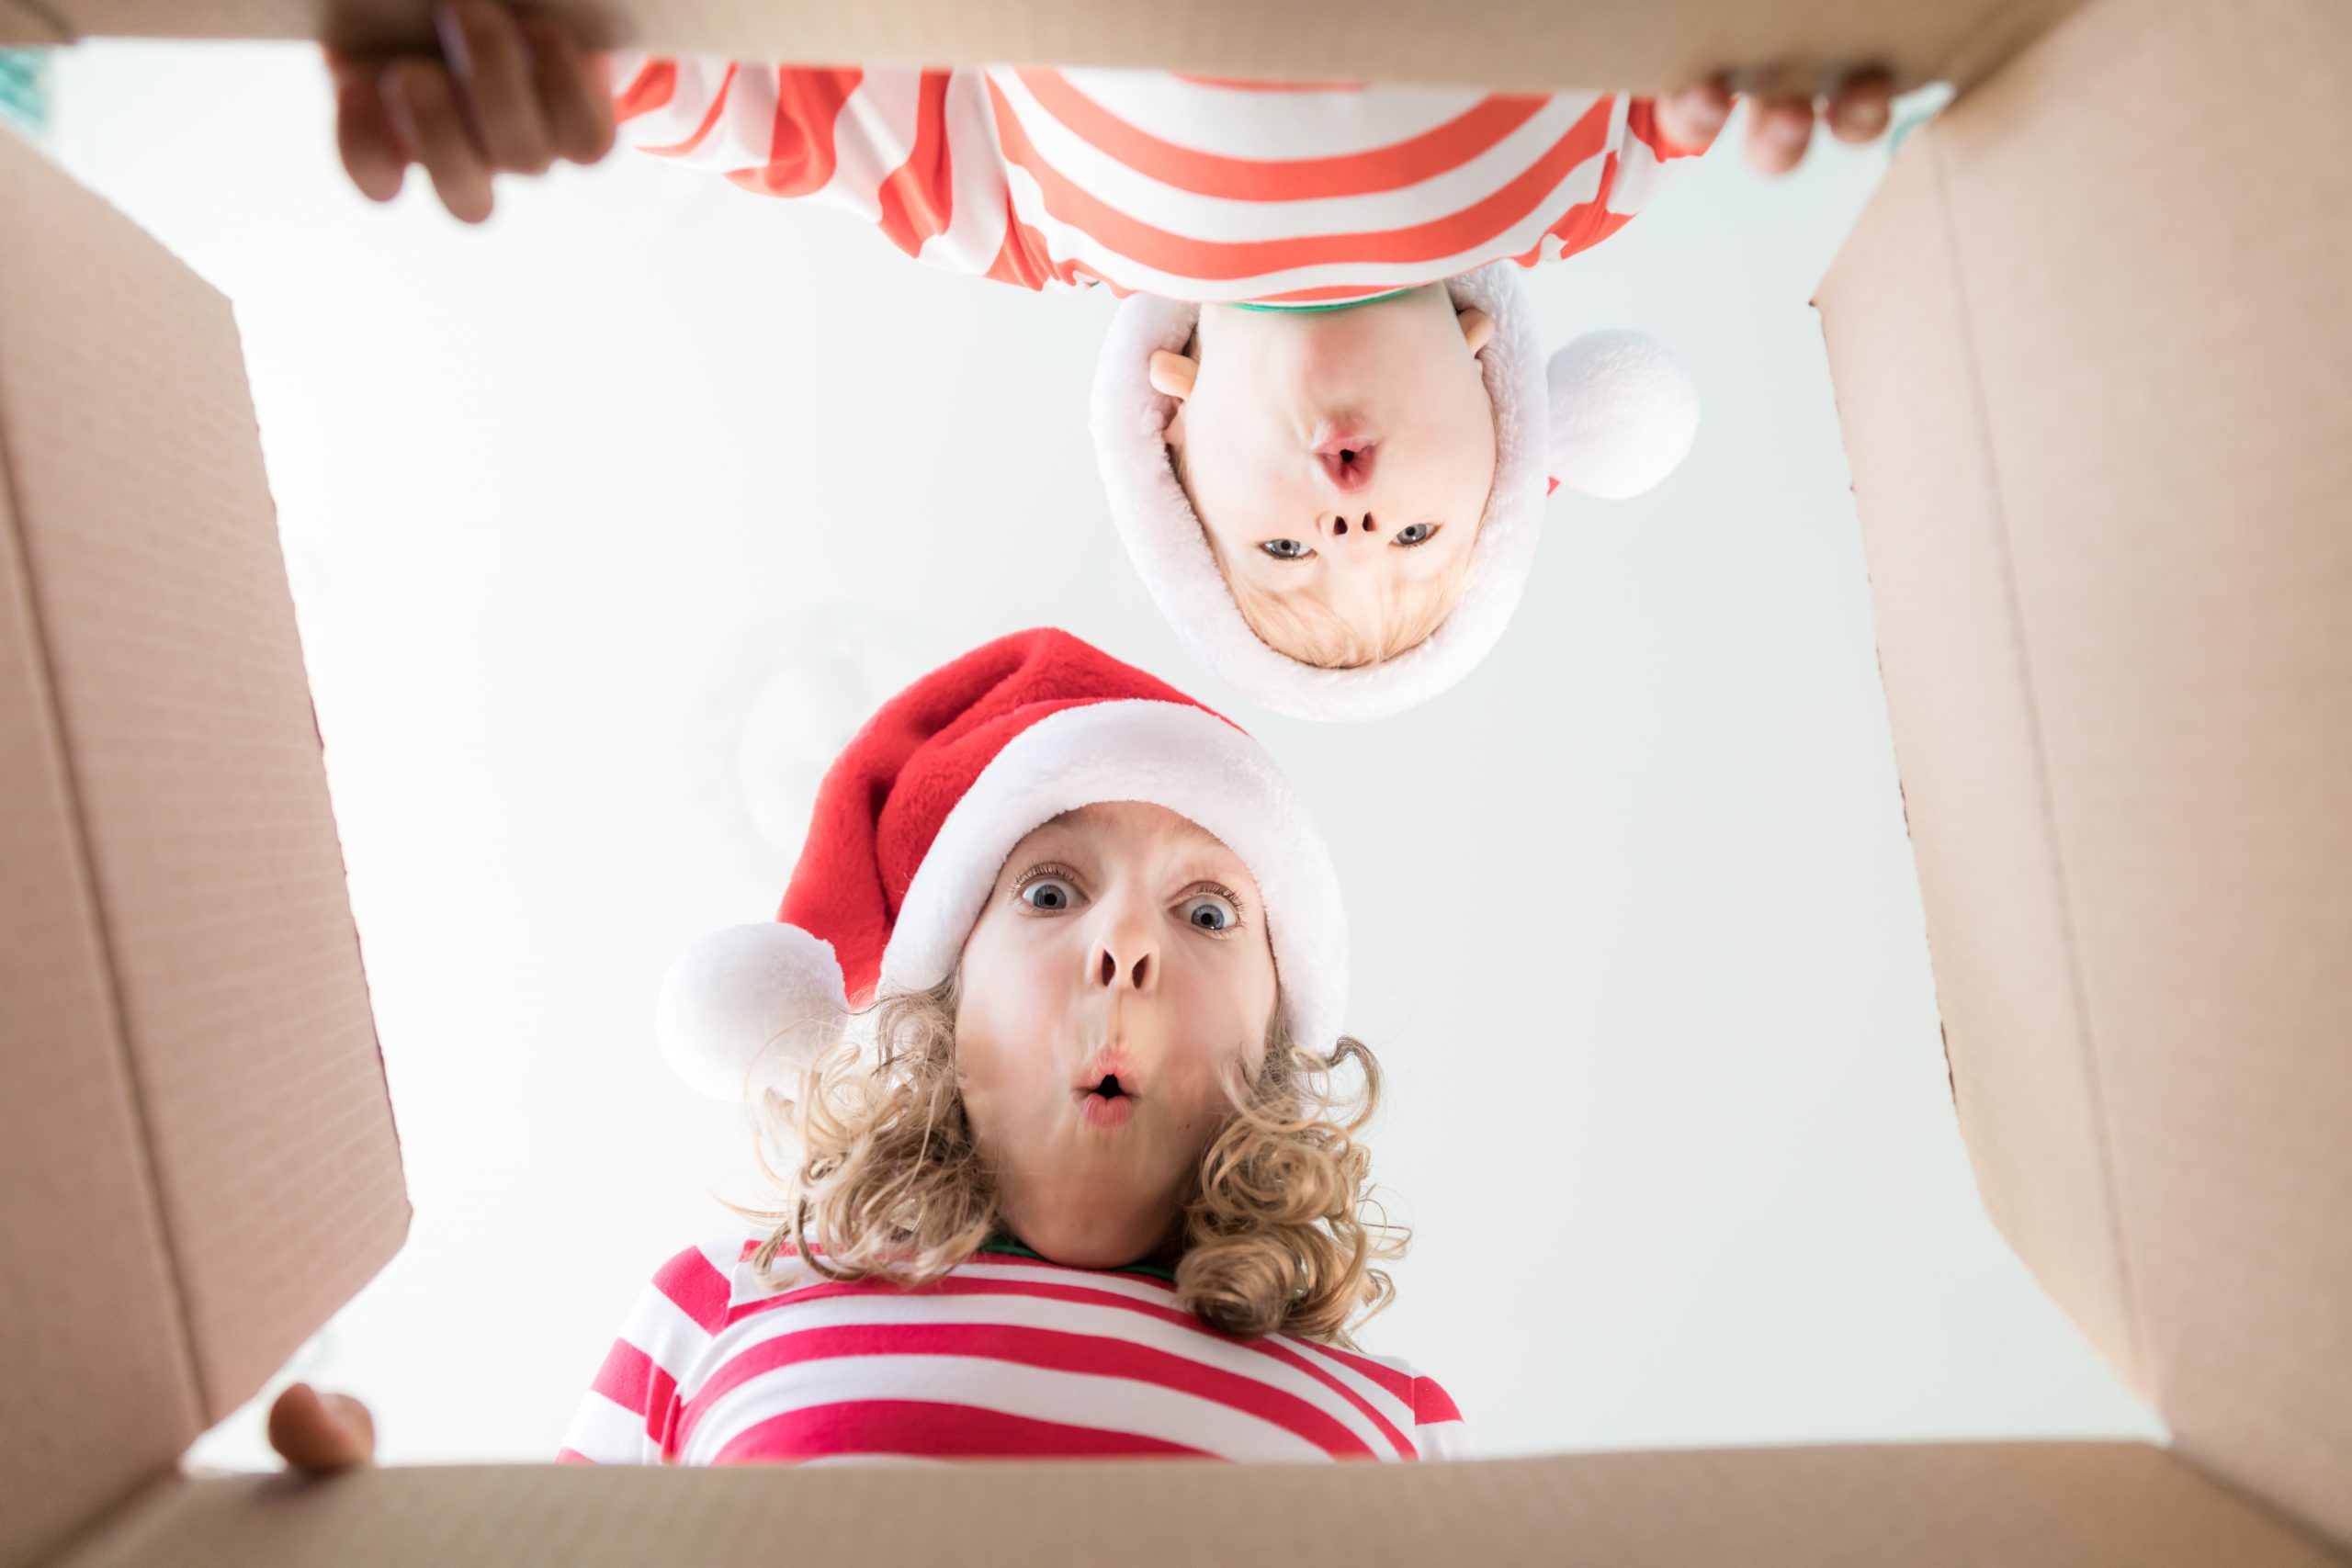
(321, 1433)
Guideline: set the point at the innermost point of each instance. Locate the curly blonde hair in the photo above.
(888, 1180)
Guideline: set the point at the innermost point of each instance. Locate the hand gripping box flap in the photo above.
(2093, 351)
(1498, 43)
(1951, 1506)
(197, 1150)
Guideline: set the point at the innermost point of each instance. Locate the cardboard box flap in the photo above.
(1513, 43)
(190, 970)
(2090, 348)
(101, 1393)
(2020, 1504)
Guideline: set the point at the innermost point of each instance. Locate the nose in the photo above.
(1346, 463)
(1126, 958)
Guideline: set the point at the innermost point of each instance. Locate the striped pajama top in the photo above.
(1009, 1356)
(1159, 183)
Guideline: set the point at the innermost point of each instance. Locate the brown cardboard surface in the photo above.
(31, 22)
(99, 1389)
(2020, 1506)
(2120, 268)
(1529, 44)
(200, 975)
(1902, 359)
(2093, 378)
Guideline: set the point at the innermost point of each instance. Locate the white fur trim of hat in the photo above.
(1611, 417)
(916, 818)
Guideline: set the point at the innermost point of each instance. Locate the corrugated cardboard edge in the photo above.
(216, 874)
(1895, 316)
(103, 1390)
(1528, 44)
(2169, 390)
(1954, 1506)
(2159, 421)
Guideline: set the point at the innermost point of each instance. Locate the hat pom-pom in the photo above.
(1623, 413)
(747, 1007)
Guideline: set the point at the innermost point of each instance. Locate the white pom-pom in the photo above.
(747, 1007)
(1624, 413)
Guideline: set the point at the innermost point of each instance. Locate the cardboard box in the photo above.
(2089, 344)
(1523, 43)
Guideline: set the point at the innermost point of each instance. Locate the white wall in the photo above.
(607, 523)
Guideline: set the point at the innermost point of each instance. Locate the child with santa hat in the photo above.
(1051, 1018)
(1324, 420)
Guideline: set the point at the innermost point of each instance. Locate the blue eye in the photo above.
(1047, 895)
(1417, 534)
(1286, 549)
(1209, 912)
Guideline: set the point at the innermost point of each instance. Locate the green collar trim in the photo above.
(1336, 305)
(1012, 1248)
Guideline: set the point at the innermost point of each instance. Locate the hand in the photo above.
(507, 94)
(321, 1433)
(1780, 124)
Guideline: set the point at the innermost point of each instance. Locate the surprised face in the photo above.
(1119, 977)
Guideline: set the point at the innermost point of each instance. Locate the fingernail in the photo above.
(1870, 118)
(452, 29)
(1787, 130)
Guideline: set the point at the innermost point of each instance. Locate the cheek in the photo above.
(1470, 479)
(1005, 1008)
(1233, 460)
(1227, 1006)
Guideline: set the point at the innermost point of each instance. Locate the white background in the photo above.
(606, 524)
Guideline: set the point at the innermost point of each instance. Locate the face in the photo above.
(1121, 966)
(1339, 454)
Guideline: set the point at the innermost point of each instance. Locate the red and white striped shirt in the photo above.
(1157, 183)
(1008, 1357)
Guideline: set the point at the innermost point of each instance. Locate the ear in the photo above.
(1477, 326)
(1172, 374)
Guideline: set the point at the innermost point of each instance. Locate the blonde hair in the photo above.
(1302, 627)
(888, 1181)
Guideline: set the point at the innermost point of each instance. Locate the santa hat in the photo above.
(915, 818)
(1611, 417)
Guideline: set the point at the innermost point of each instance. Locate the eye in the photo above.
(1211, 912)
(1047, 895)
(1286, 549)
(1415, 534)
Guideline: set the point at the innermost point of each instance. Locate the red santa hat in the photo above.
(1611, 415)
(913, 823)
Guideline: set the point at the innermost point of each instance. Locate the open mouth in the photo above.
(1105, 1099)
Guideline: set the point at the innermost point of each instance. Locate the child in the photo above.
(1086, 1194)
(1321, 415)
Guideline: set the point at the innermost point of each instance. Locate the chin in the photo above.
(1079, 1241)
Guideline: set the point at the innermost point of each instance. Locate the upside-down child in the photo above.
(1326, 427)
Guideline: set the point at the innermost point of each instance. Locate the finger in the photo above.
(363, 134)
(1778, 129)
(490, 71)
(356, 1419)
(1691, 116)
(1861, 106)
(575, 90)
(309, 1435)
(424, 110)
